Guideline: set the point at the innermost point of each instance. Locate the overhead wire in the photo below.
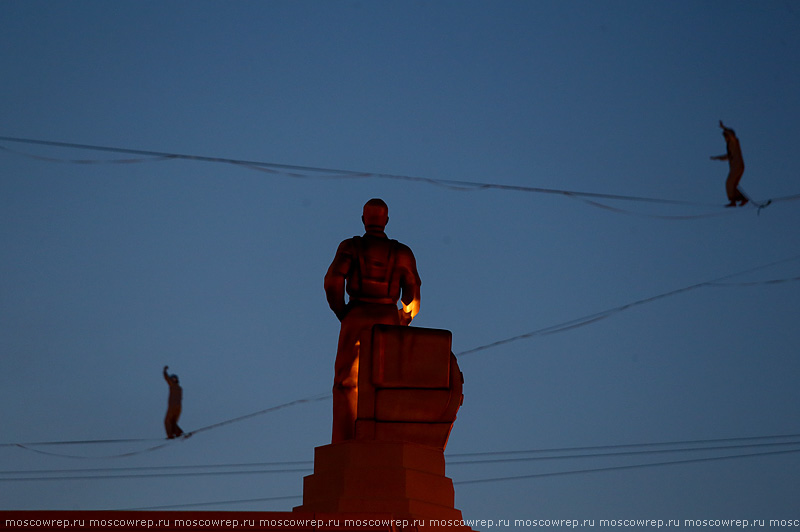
(539, 475)
(301, 171)
(757, 283)
(625, 467)
(154, 468)
(614, 454)
(162, 468)
(30, 446)
(592, 318)
(712, 441)
(87, 161)
(657, 216)
(548, 474)
(312, 399)
(79, 442)
(215, 503)
(155, 475)
(117, 455)
(475, 458)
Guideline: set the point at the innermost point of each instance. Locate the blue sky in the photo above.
(109, 271)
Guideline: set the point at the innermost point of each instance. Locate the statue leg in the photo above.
(345, 402)
(345, 382)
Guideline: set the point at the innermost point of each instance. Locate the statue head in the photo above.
(376, 214)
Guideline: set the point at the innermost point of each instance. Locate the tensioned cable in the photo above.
(81, 442)
(216, 503)
(270, 166)
(157, 468)
(294, 171)
(757, 283)
(119, 455)
(237, 469)
(625, 467)
(592, 318)
(88, 161)
(629, 445)
(366, 175)
(510, 478)
(473, 481)
(319, 397)
(519, 477)
(157, 475)
(657, 216)
(30, 445)
(613, 454)
(597, 451)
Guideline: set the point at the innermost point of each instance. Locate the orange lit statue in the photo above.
(375, 272)
(173, 406)
(735, 164)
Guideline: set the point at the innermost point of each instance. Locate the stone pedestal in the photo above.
(404, 480)
(409, 386)
(409, 392)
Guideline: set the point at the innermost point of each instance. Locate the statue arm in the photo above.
(334, 292)
(335, 280)
(411, 304)
(411, 288)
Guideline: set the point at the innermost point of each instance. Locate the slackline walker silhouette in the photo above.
(173, 406)
(736, 167)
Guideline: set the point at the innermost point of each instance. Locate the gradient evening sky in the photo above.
(110, 271)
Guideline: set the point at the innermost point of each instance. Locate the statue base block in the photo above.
(404, 480)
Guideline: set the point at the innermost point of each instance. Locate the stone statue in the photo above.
(375, 272)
